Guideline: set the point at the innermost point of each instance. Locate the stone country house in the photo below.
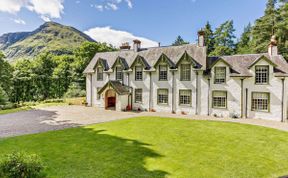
(183, 79)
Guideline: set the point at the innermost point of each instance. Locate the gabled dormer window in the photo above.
(261, 74)
(185, 72)
(119, 73)
(220, 75)
(100, 74)
(138, 73)
(163, 72)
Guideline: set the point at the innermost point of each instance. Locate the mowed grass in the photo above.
(158, 147)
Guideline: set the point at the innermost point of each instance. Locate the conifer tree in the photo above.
(179, 41)
(224, 39)
(209, 38)
(244, 44)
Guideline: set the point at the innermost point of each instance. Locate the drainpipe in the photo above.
(173, 92)
(242, 92)
(246, 103)
(283, 98)
(91, 83)
(197, 97)
(209, 96)
(150, 92)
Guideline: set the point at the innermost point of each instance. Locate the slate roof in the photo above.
(151, 56)
(117, 86)
(240, 64)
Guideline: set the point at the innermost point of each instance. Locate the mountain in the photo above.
(50, 37)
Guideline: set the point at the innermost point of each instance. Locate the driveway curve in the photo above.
(61, 117)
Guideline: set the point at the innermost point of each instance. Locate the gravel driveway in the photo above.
(60, 117)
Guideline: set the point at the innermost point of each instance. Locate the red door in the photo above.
(111, 102)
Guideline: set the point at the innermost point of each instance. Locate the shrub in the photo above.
(75, 90)
(8, 106)
(21, 165)
(3, 96)
(54, 101)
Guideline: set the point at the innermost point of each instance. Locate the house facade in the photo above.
(183, 79)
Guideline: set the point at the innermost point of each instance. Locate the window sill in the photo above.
(262, 84)
(186, 105)
(163, 104)
(261, 111)
(219, 108)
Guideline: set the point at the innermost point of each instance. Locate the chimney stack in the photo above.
(137, 45)
(273, 49)
(125, 46)
(201, 38)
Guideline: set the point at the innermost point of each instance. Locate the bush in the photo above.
(54, 101)
(8, 106)
(3, 96)
(21, 165)
(75, 90)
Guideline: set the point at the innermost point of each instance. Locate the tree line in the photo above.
(255, 38)
(47, 76)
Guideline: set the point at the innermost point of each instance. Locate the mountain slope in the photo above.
(50, 37)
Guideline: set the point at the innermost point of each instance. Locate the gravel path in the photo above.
(60, 117)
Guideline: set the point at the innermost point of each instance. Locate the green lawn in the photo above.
(158, 147)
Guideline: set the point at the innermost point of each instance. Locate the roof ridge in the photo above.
(242, 55)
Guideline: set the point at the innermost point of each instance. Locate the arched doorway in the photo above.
(110, 99)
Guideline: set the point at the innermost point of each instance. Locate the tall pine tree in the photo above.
(282, 29)
(244, 44)
(224, 39)
(264, 28)
(209, 38)
(179, 41)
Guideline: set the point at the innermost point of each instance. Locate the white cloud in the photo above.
(111, 6)
(117, 37)
(11, 6)
(129, 3)
(53, 8)
(48, 9)
(45, 18)
(19, 21)
(99, 7)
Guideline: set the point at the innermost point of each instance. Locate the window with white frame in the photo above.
(260, 101)
(163, 72)
(185, 72)
(99, 73)
(220, 75)
(219, 99)
(138, 95)
(162, 96)
(138, 73)
(261, 74)
(119, 73)
(185, 97)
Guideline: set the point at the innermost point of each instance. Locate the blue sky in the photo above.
(117, 20)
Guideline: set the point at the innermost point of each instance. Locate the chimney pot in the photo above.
(125, 46)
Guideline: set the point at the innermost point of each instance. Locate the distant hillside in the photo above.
(49, 37)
